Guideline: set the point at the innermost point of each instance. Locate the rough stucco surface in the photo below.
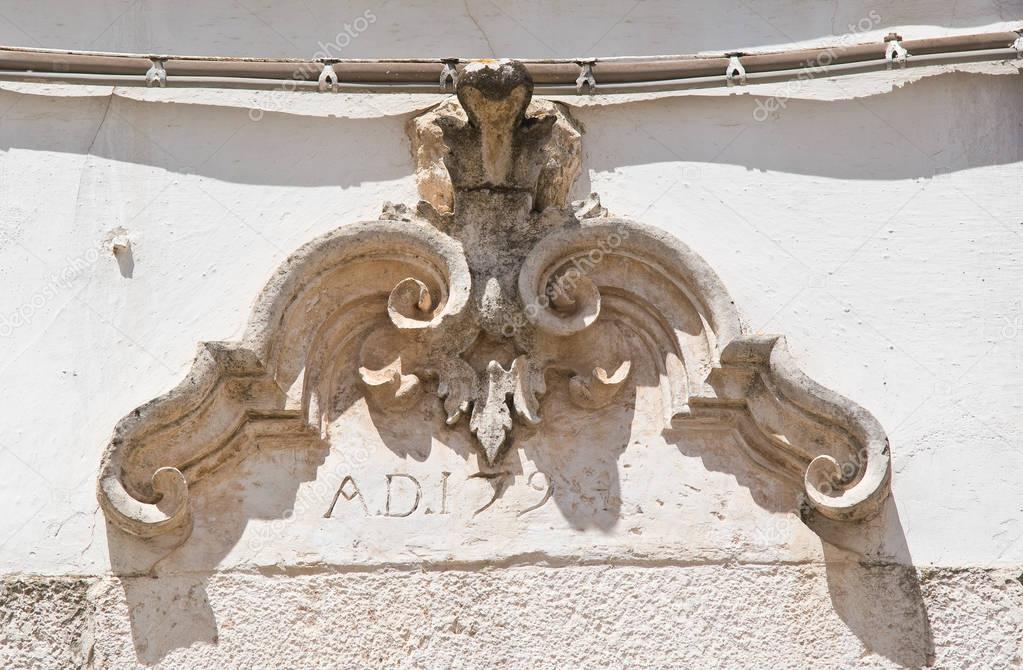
(670, 616)
(45, 622)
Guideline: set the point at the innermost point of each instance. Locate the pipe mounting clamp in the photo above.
(586, 82)
(895, 52)
(735, 72)
(448, 74)
(156, 74)
(328, 77)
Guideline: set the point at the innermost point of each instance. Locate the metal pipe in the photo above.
(420, 75)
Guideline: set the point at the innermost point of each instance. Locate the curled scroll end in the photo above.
(855, 487)
(823, 474)
(599, 388)
(831, 492)
(574, 304)
(409, 304)
(169, 512)
(389, 388)
(852, 480)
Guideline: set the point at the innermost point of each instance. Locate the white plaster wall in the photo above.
(879, 229)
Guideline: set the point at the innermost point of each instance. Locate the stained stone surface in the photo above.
(562, 156)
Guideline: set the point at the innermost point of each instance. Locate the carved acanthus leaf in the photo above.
(491, 417)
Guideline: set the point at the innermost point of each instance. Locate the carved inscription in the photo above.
(350, 491)
(547, 487)
(415, 503)
(404, 493)
(499, 480)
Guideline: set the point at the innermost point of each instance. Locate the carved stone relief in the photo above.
(489, 297)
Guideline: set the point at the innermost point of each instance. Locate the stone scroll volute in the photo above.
(488, 292)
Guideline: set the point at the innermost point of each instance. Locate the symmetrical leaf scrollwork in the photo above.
(491, 286)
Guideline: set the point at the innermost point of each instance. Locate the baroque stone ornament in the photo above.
(493, 287)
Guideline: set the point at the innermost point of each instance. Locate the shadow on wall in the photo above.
(585, 482)
(873, 587)
(910, 133)
(880, 600)
(165, 578)
(212, 141)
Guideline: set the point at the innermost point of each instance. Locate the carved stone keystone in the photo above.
(492, 289)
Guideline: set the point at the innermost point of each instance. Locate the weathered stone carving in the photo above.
(493, 287)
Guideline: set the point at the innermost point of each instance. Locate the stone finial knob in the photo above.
(492, 90)
(495, 95)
